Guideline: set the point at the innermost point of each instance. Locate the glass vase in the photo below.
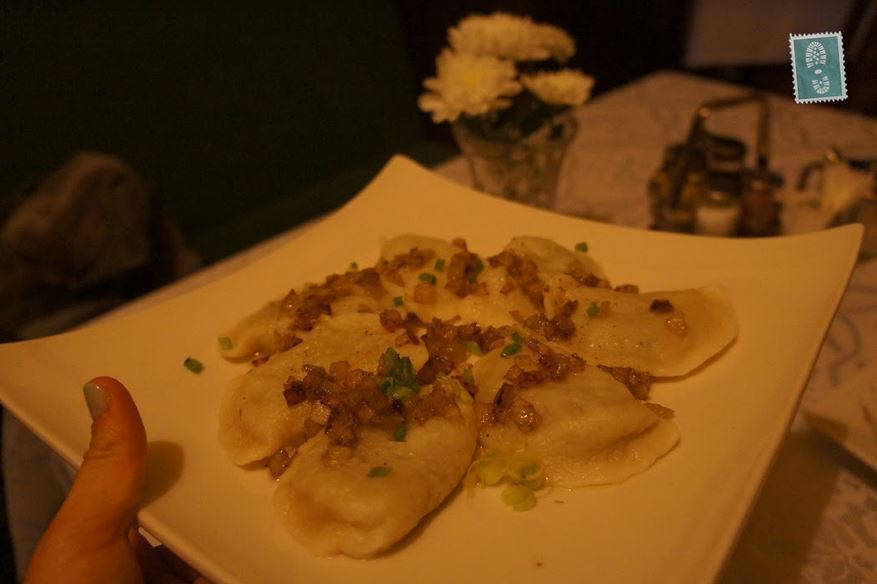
(525, 170)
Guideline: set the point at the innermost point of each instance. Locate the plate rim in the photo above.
(401, 164)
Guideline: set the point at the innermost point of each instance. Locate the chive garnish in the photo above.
(400, 381)
(225, 343)
(468, 377)
(428, 278)
(514, 347)
(509, 350)
(193, 365)
(440, 265)
(398, 301)
(492, 469)
(398, 392)
(378, 472)
(353, 266)
(473, 348)
(519, 498)
(582, 246)
(399, 434)
(593, 310)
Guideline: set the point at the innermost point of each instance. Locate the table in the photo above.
(816, 517)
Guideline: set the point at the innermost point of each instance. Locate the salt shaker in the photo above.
(718, 214)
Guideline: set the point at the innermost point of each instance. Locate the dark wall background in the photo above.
(246, 121)
(223, 108)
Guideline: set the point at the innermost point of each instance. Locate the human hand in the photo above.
(94, 537)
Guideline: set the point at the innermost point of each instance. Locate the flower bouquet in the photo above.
(501, 87)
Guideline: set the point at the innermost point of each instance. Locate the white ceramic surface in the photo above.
(674, 523)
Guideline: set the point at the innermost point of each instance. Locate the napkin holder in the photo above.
(847, 193)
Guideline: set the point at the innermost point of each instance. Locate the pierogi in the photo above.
(340, 509)
(593, 430)
(371, 394)
(255, 420)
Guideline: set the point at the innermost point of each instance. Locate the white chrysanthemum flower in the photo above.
(511, 37)
(468, 84)
(564, 87)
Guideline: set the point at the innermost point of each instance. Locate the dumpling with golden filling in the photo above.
(552, 258)
(366, 504)
(259, 333)
(664, 333)
(254, 419)
(591, 429)
(274, 327)
(402, 244)
(452, 284)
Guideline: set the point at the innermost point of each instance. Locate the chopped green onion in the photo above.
(399, 434)
(593, 310)
(476, 271)
(428, 278)
(398, 301)
(530, 475)
(468, 377)
(398, 393)
(518, 497)
(193, 365)
(492, 469)
(517, 338)
(509, 350)
(582, 246)
(390, 359)
(463, 395)
(225, 343)
(400, 381)
(440, 265)
(353, 266)
(473, 348)
(378, 472)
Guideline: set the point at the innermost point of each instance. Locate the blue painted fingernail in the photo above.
(96, 399)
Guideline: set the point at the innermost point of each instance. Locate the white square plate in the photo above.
(674, 523)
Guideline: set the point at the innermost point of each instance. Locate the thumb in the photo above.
(87, 540)
(108, 488)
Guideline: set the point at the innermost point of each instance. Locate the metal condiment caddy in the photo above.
(703, 185)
